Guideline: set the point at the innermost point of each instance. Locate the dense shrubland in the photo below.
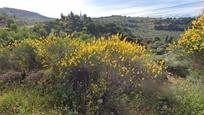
(81, 73)
(81, 76)
(189, 50)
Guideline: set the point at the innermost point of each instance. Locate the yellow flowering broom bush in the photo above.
(188, 93)
(19, 56)
(89, 74)
(192, 40)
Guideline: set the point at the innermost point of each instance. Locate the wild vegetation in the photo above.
(75, 65)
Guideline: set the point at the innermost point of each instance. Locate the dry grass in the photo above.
(12, 76)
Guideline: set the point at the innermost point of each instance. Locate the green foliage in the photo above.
(83, 74)
(82, 36)
(24, 101)
(11, 24)
(9, 35)
(83, 23)
(26, 57)
(39, 28)
(186, 60)
(21, 58)
(145, 31)
(173, 24)
(190, 99)
(145, 27)
(75, 79)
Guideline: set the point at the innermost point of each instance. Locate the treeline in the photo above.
(173, 24)
(80, 26)
(79, 23)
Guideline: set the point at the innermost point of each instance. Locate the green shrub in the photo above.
(20, 58)
(23, 102)
(26, 57)
(87, 77)
(189, 99)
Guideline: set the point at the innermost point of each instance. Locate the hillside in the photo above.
(145, 27)
(25, 16)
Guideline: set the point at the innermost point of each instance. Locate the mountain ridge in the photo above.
(24, 15)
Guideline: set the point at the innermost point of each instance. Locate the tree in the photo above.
(11, 24)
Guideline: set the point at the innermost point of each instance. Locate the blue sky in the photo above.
(97, 8)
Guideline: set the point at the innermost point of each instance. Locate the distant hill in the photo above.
(144, 27)
(24, 16)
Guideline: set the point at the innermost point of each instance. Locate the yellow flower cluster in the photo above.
(193, 38)
(105, 60)
(128, 59)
